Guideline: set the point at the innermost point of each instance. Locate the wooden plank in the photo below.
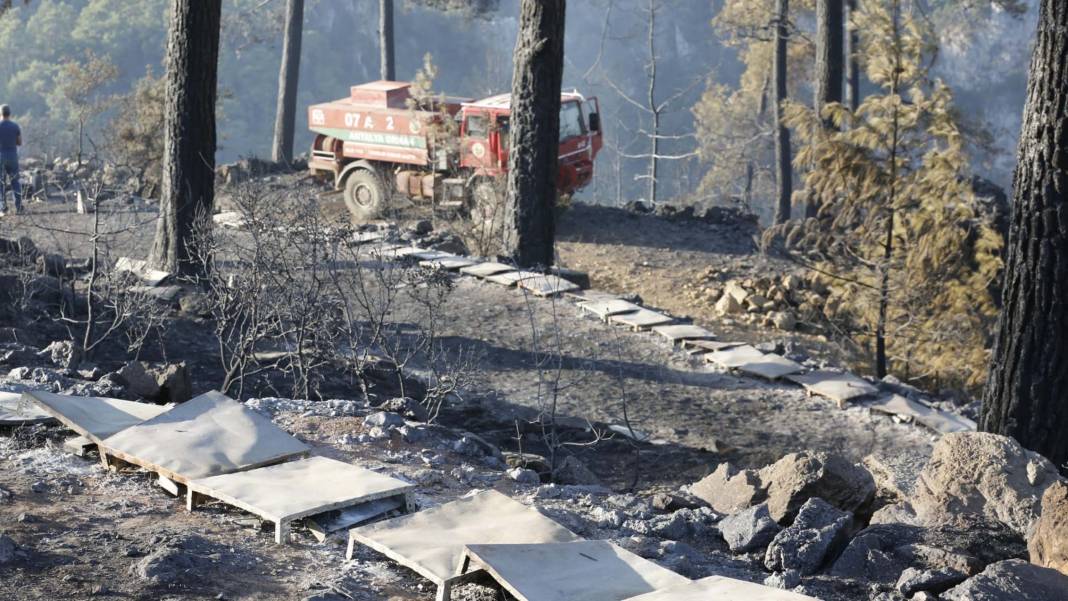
(449, 263)
(483, 270)
(715, 588)
(511, 278)
(840, 387)
(608, 307)
(547, 285)
(324, 524)
(677, 333)
(95, 418)
(15, 410)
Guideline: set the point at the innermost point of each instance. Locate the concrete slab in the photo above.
(16, 411)
(679, 332)
(608, 307)
(431, 542)
(719, 588)
(837, 386)
(591, 295)
(482, 270)
(95, 418)
(209, 435)
(735, 356)
(576, 571)
(448, 263)
(290, 491)
(547, 285)
(771, 367)
(642, 319)
(140, 268)
(511, 278)
(940, 421)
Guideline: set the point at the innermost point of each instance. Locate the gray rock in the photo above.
(913, 580)
(674, 501)
(63, 353)
(7, 549)
(572, 471)
(173, 383)
(896, 472)
(1048, 545)
(798, 477)
(137, 381)
(729, 490)
(1011, 580)
(524, 476)
(407, 407)
(384, 420)
(984, 474)
(784, 580)
(819, 531)
(881, 552)
(164, 566)
(749, 529)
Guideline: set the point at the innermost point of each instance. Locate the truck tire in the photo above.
(365, 195)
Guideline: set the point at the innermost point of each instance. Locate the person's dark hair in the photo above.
(5, 110)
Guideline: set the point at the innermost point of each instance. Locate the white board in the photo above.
(771, 366)
(290, 491)
(719, 588)
(575, 571)
(605, 308)
(940, 421)
(734, 356)
(209, 435)
(547, 285)
(683, 331)
(837, 386)
(431, 542)
(642, 319)
(482, 270)
(449, 263)
(511, 278)
(18, 411)
(95, 418)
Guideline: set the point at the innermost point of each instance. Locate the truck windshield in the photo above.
(571, 124)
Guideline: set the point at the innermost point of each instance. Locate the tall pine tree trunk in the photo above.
(188, 183)
(1025, 393)
(535, 135)
(385, 40)
(784, 173)
(288, 78)
(852, 46)
(830, 53)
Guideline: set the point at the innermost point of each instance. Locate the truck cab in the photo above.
(485, 129)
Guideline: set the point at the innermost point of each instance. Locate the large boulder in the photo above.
(798, 477)
(882, 552)
(749, 529)
(173, 383)
(818, 532)
(138, 381)
(1011, 580)
(728, 490)
(1048, 546)
(984, 474)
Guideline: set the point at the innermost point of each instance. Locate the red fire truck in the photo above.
(378, 142)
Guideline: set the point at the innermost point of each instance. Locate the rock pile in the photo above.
(778, 302)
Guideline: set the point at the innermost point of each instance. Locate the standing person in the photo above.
(10, 140)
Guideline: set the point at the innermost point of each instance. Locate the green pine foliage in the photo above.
(899, 234)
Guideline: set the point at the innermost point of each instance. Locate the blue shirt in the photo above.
(9, 136)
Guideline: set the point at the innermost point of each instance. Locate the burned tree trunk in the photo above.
(852, 66)
(535, 132)
(829, 54)
(784, 179)
(188, 183)
(288, 78)
(1025, 393)
(385, 39)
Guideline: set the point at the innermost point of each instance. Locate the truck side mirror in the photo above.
(595, 122)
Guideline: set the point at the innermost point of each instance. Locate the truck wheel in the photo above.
(365, 195)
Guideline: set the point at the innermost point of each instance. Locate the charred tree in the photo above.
(385, 40)
(1025, 393)
(188, 183)
(784, 174)
(830, 53)
(852, 65)
(535, 132)
(288, 79)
